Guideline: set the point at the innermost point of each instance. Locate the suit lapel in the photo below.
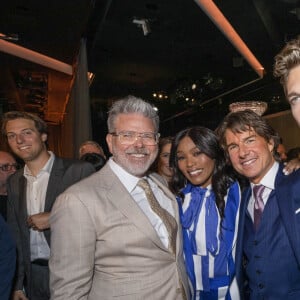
(285, 198)
(54, 183)
(124, 202)
(239, 251)
(23, 204)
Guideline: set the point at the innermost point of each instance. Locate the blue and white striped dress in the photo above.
(210, 269)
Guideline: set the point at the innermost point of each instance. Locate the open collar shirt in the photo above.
(36, 189)
(130, 183)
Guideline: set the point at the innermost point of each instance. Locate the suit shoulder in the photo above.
(293, 177)
(98, 180)
(16, 176)
(74, 164)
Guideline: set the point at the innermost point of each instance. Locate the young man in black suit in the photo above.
(32, 191)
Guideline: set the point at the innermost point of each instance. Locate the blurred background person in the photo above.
(91, 147)
(281, 150)
(293, 161)
(96, 159)
(161, 165)
(293, 153)
(8, 166)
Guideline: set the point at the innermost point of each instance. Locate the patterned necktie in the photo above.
(258, 204)
(165, 216)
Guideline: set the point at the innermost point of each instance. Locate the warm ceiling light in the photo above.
(91, 77)
(35, 57)
(9, 37)
(222, 23)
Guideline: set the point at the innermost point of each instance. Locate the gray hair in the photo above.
(128, 105)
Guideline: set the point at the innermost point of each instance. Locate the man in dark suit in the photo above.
(7, 260)
(268, 244)
(31, 195)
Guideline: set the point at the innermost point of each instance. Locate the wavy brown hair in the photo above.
(286, 59)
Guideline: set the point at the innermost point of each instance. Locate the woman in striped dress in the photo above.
(208, 195)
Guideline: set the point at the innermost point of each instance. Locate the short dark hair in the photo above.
(96, 159)
(246, 120)
(293, 153)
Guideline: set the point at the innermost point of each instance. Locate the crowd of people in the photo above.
(202, 215)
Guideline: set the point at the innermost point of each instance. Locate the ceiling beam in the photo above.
(35, 57)
(224, 26)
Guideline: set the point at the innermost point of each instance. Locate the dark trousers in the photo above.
(39, 282)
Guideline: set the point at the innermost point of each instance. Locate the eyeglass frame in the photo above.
(11, 166)
(136, 135)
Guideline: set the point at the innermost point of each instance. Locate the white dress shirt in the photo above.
(36, 189)
(130, 183)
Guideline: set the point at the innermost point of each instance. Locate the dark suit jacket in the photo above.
(64, 173)
(287, 193)
(7, 260)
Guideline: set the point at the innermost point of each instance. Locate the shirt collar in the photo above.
(46, 168)
(128, 180)
(269, 179)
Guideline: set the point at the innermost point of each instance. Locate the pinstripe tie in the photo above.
(165, 216)
(258, 203)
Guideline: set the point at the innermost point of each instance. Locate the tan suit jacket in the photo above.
(104, 247)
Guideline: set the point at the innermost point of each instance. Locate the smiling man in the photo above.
(119, 244)
(268, 244)
(31, 192)
(287, 69)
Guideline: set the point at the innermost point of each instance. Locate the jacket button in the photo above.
(261, 286)
(255, 243)
(258, 272)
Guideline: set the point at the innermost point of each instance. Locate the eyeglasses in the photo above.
(129, 137)
(9, 167)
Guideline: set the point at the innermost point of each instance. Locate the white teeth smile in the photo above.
(138, 155)
(248, 162)
(23, 148)
(196, 172)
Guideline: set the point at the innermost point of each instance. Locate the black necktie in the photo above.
(165, 216)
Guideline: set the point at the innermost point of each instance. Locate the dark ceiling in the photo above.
(171, 45)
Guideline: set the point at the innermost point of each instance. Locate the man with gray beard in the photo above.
(116, 234)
